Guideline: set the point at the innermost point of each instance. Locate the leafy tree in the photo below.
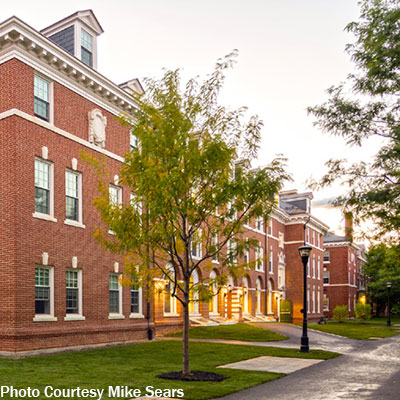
(366, 106)
(192, 190)
(382, 266)
(362, 312)
(340, 313)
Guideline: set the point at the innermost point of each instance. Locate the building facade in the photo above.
(60, 289)
(344, 278)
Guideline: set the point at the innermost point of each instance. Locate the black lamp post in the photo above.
(304, 254)
(389, 286)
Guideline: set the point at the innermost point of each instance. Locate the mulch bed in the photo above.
(199, 376)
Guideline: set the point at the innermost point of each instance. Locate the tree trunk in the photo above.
(185, 358)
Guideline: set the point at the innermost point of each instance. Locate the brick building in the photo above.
(60, 289)
(344, 278)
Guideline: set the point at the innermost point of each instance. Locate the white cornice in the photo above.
(19, 37)
(311, 221)
(60, 132)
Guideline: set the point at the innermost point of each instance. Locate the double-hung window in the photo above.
(44, 294)
(115, 193)
(72, 297)
(73, 199)
(115, 295)
(133, 141)
(43, 187)
(86, 48)
(136, 301)
(42, 291)
(41, 98)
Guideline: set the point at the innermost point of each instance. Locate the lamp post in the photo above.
(389, 286)
(304, 252)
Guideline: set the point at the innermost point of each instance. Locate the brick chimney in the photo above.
(348, 226)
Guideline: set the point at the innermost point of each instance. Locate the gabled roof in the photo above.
(85, 16)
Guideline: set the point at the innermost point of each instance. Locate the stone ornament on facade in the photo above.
(97, 128)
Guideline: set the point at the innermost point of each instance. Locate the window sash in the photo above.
(42, 291)
(114, 301)
(86, 57)
(41, 97)
(72, 301)
(135, 301)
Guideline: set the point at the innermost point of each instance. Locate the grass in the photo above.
(137, 366)
(244, 332)
(375, 327)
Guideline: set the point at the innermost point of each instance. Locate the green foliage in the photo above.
(286, 311)
(382, 266)
(340, 313)
(363, 312)
(366, 106)
(191, 175)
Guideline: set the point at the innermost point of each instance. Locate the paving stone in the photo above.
(273, 364)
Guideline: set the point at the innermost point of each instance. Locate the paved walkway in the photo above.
(367, 370)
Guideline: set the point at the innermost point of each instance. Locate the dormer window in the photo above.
(86, 48)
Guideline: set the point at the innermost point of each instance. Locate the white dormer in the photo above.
(77, 34)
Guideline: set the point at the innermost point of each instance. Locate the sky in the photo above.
(290, 52)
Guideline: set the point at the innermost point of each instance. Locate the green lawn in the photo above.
(241, 331)
(375, 327)
(137, 366)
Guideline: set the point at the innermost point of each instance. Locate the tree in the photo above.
(192, 189)
(382, 266)
(366, 106)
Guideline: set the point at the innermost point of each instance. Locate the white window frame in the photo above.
(47, 317)
(281, 240)
(259, 258)
(260, 224)
(308, 300)
(215, 243)
(325, 303)
(319, 268)
(313, 300)
(77, 316)
(133, 141)
(68, 221)
(196, 251)
(117, 315)
(50, 120)
(271, 262)
(50, 216)
(313, 266)
(140, 296)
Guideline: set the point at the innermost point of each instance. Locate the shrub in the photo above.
(340, 313)
(363, 312)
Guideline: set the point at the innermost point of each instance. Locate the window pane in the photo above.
(113, 282)
(86, 41)
(71, 208)
(41, 108)
(71, 184)
(42, 201)
(72, 301)
(134, 301)
(41, 89)
(114, 301)
(86, 57)
(72, 279)
(42, 174)
(114, 195)
(41, 277)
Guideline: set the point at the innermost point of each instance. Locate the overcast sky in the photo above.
(290, 52)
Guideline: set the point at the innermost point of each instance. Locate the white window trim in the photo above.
(71, 222)
(51, 97)
(79, 316)
(140, 313)
(199, 249)
(47, 317)
(119, 314)
(39, 215)
(78, 33)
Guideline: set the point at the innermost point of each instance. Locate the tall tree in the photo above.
(192, 189)
(382, 266)
(367, 105)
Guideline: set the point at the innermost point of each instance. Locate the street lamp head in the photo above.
(388, 285)
(305, 251)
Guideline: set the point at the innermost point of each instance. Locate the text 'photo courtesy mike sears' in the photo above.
(51, 392)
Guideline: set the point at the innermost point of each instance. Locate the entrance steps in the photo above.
(201, 321)
(223, 321)
(259, 318)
